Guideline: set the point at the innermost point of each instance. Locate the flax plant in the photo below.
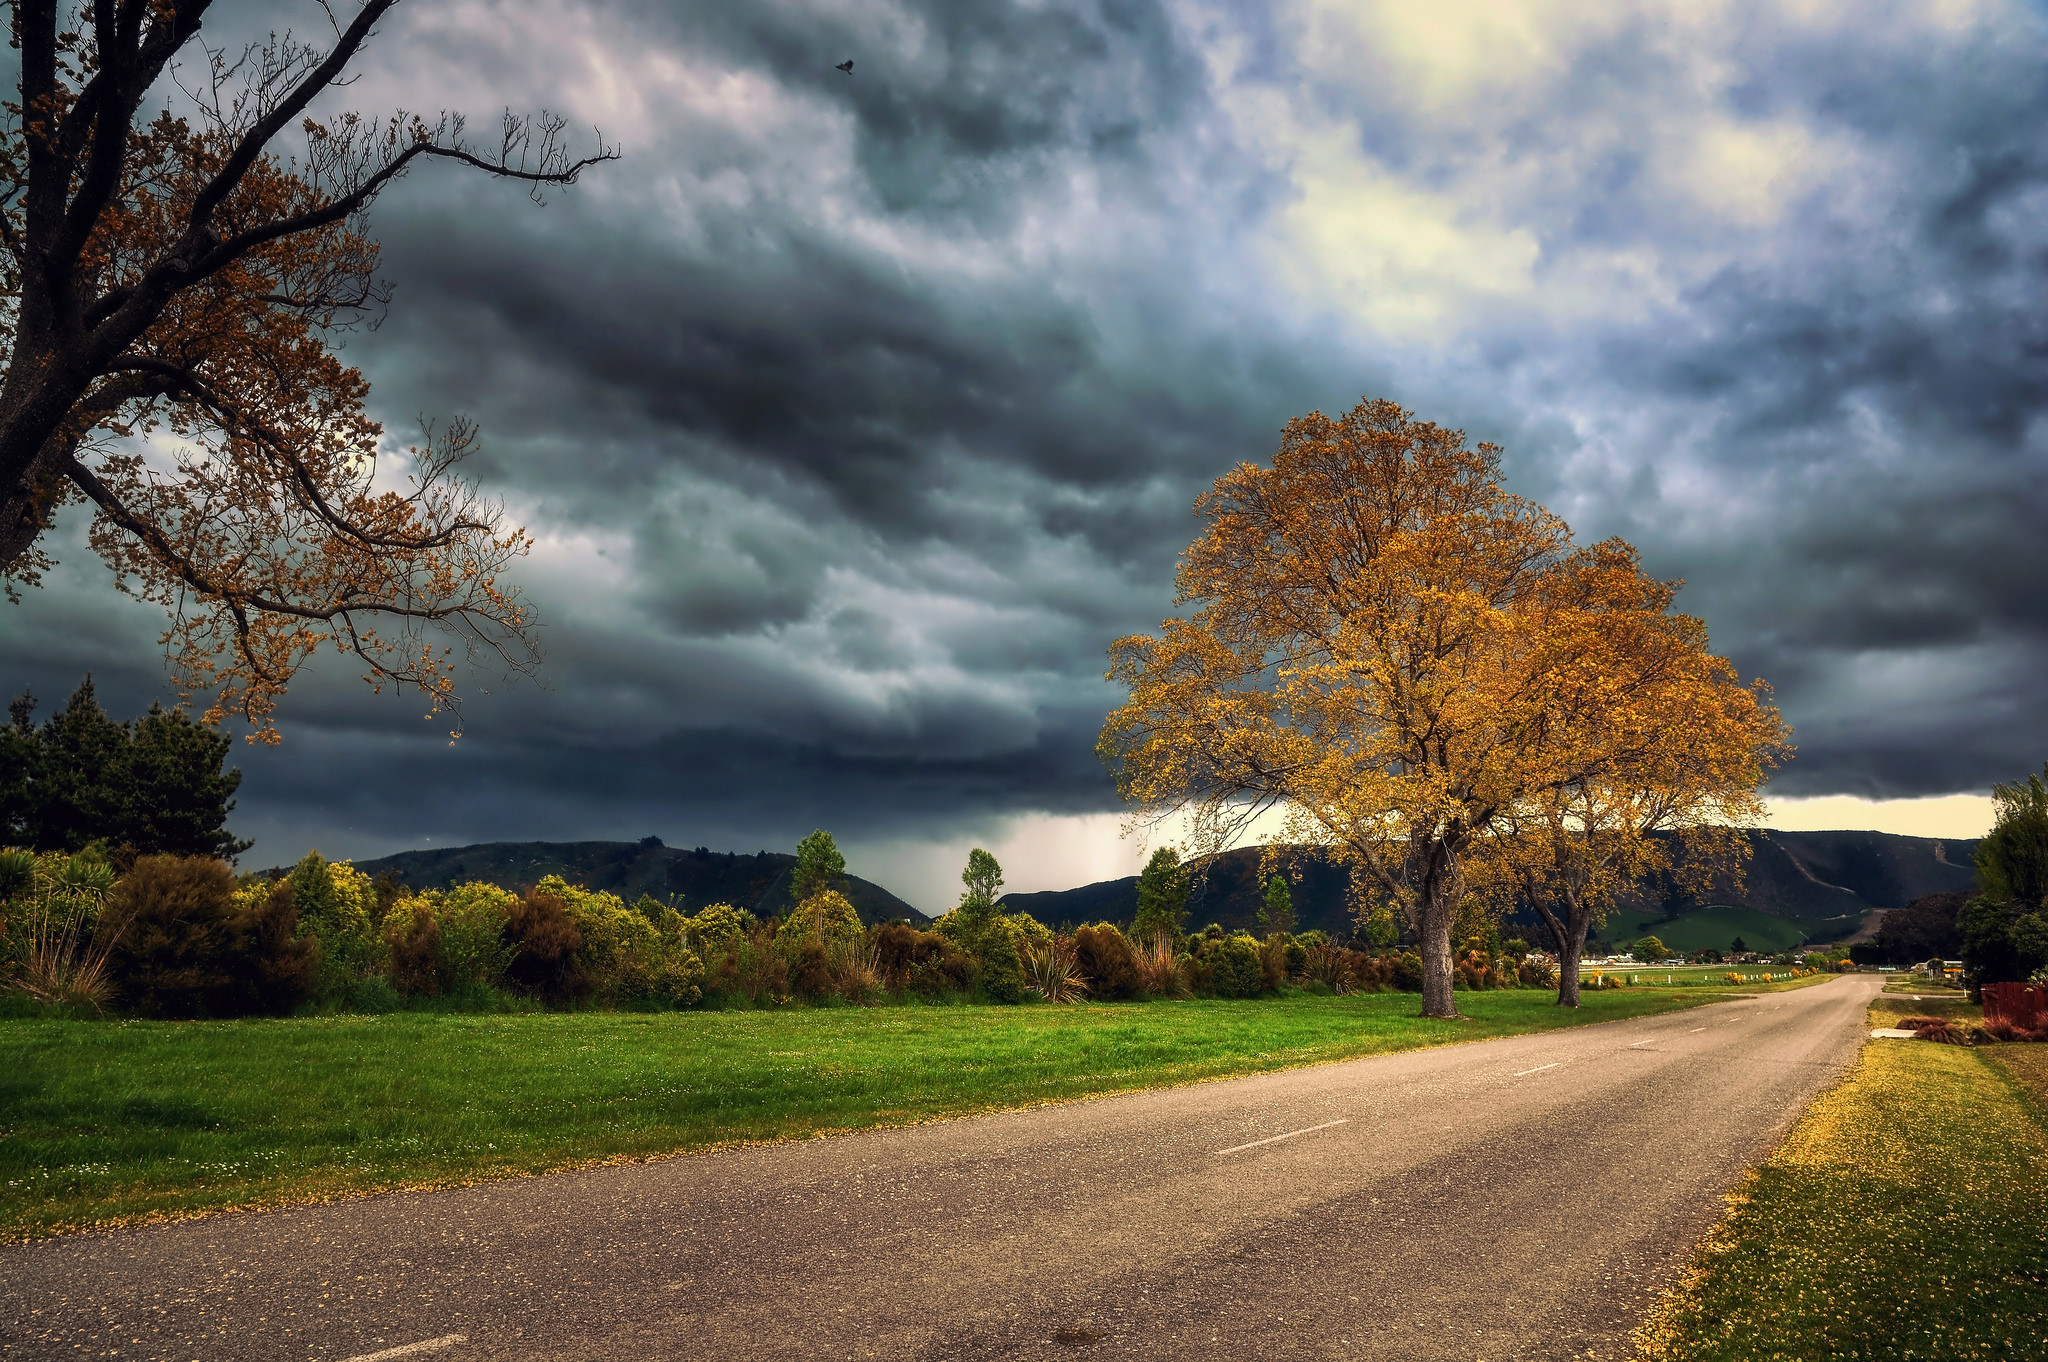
(62, 924)
(1052, 971)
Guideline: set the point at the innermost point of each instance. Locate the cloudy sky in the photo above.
(856, 415)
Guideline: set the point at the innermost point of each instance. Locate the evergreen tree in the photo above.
(2005, 931)
(79, 776)
(819, 866)
(1277, 913)
(178, 796)
(1162, 897)
(154, 786)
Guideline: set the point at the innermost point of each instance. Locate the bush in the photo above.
(336, 904)
(1106, 960)
(544, 944)
(412, 939)
(1231, 966)
(1001, 973)
(474, 952)
(1297, 957)
(924, 963)
(196, 948)
(1273, 964)
(1407, 972)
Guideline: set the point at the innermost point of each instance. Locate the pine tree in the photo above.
(155, 786)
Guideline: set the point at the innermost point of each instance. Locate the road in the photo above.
(1519, 1198)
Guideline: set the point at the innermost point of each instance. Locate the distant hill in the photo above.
(1824, 883)
(690, 879)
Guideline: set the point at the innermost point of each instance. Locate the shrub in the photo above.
(1161, 973)
(60, 924)
(413, 939)
(1297, 957)
(1273, 964)
(1536, 974)
(1105, 959)
(336, 904)
(195, 947)
(826, 917)
(1001, 973)
(1407, 972)
(474, 951)
(924, 963)
(747, 966)
(717, 924)
(544, 945)
(1230, 966)
(1050, 970)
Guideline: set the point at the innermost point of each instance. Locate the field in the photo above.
(1905, 1217)
(1693, 976)
(1710, 928)
(106, 1122)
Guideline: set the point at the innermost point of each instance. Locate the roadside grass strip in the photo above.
(104, 1123)
(1904, 1218)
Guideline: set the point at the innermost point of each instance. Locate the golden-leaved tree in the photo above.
(169, 293)
(1679, 748)
(1394, 653)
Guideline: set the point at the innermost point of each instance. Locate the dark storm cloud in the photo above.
(857, 415)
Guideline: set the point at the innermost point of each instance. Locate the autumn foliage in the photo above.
(1405, 661)
(169, 297)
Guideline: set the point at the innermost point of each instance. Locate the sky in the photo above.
(854, 416)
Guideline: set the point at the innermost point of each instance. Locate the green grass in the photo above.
(1710, 928)
(1906, 1218)
(108, 1122)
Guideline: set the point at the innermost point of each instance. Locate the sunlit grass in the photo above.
(1905, 1217)
(102, 1122)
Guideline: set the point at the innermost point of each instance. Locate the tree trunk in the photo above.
(1571, 944)
(1568, 968)
(1433, 934)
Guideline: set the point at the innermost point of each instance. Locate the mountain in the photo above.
(1824, 884)
(689, 879)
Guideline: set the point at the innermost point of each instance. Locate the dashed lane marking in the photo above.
(1538, 1069)
(1274, 1139)
(428, 1345)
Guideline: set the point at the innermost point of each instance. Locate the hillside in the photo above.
(1823, 883)
(691, 879)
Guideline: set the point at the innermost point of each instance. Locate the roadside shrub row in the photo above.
(182, 937)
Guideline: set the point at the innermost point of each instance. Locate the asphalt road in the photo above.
(1520, 1198)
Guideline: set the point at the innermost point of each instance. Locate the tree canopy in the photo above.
(819, 866)
(1162, 897)
(170, 291)
(2005, 929)
(154, 786)
(1398, 655)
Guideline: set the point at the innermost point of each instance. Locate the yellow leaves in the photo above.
(1394, 649)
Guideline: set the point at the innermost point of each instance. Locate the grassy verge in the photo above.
(1905, 1217)
(107, 1122)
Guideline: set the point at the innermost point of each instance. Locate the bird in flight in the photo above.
(845, 67)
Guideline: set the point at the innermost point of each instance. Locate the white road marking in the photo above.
(1270, 1139)
(430, 1345)
(1538, 1069)
(1695, 1030)
(1634, 1043)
